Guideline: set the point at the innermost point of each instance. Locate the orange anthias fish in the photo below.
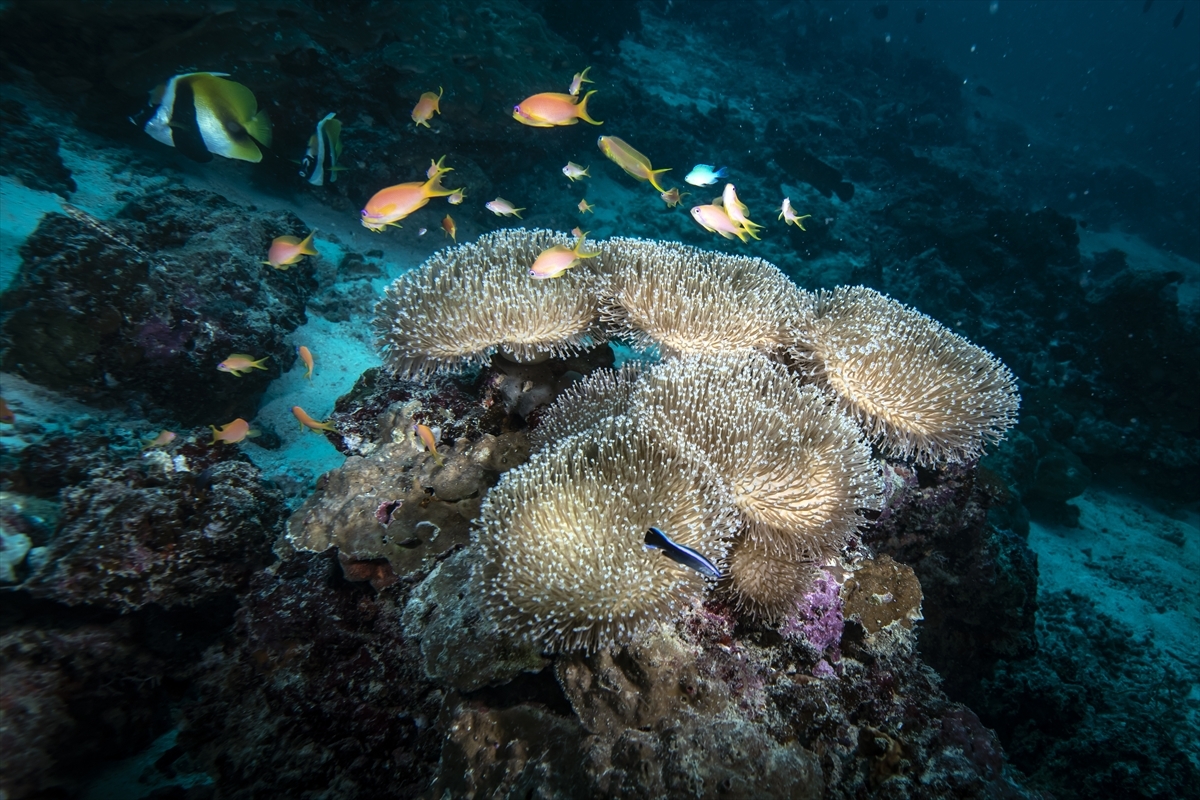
(306, 356)
(394, 203)
(713, 218)
(789, 216)
(287, 250)
(736, 210)
(163, 439)
(630, 160)
(437, 168)
(551, 109)
(239, 363)
(585, 207)
(578, 81)
(424, 109)
(556, 260)
(232, 432)
(308, 422)
(450, 228)
(6, 414)
(672, 197)
(426, 436)
(502, 208)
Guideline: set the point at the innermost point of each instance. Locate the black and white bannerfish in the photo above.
(685, 556)
(320, 162)
(201, 113)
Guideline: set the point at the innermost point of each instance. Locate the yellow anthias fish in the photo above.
(450, 228)
(287, 250)
(163, 439)
(502, 208)
(585, 207)
(713, 218)
(232, 432)
(630, 160)
(437, 168)
(394, 203)
(556, 260)
(672, 197)
(426, 436)
(574, 172)
(307, 357)
(551, 109)
(424, 110)
(789, 216)
(736, 210)
(578, 81)
(240, 363)
(308, 422)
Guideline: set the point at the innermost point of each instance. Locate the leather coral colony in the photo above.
(747, 443)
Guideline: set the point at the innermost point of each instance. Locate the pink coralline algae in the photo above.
(818, 621)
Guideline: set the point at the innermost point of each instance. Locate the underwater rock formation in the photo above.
(142, 307)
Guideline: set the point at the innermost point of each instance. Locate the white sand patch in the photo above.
(21, 209)
(1137, 564)
(1141, 256)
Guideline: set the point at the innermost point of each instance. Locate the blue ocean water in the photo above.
(205, 593)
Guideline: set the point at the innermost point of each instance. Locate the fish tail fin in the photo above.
(585, 172)
(583, 78)
(652, 177)
(433, 187)
(517, 214)
(722, 172)
(582, 112)
(306, 246)
(214, 430)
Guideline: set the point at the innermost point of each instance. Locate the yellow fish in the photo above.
(201, 113)
(578, 81)
(426, 436)
(424, 109)
(736, 210)
(240, 363)
(584, 206)
(556, 260)
(788, 215)
(551, 109)
(630, 160)
(287, 250)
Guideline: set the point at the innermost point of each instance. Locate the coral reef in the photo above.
(142, 307)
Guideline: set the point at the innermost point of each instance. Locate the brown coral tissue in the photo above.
(468, 302)
(918, 389)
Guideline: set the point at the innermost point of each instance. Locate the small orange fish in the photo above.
(287, 250)
(306, 356)
(240, 363)
(6, 414)
(630, 160)
(389, 206)
(556, 260)
(424, 109)
(585, 207)
(713, 218)
(736, 210)
(578, 81)
(450, 228)
(672, 197)
(551, 109)
(163, 439)
(457, 197)
(574, 172)
(232, 432)
(788, 215)
(426, 436)
(308, 422)
(502, 208)
(436, 168)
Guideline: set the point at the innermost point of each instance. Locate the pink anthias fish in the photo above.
(551, 109)
(287, 250)
(426, 106)
(556, 260)
(239, 364)
(578, 81)
(789, 216)
(389, 206)
(713, 218)
(502, 208)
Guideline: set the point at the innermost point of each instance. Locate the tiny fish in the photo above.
(554, 261)
(502, 208)
(308, 422)
(287, 250)
(577, 232)
(704, 175)
(684, 556)
(426, 436)
(306, 356)
(585, 207)
(239, 363)
(788, 215)
(672, 197)
(457, 197)
(578, 81)
(163, 439)
(232, 432)
(424, 110)
(437, 168)
(576, 172)
(450, 228)
(422, 231)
